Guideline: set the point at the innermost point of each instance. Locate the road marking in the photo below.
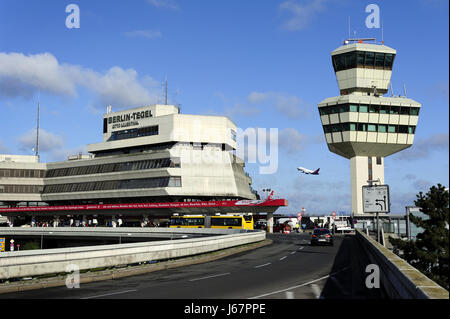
(299, 286)
(289, 295)
(283, 257)
(208, 277)
(301, 248)
(113, 293)
(262, 265)
(292, 252)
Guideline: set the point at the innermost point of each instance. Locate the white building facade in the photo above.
(148, 154)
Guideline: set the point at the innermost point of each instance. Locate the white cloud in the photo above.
(167, 4)
(47, 141)
(23, 76)
(422, 148)
(149, 34)
(291, 140)
(300, 16)
(3, 148)
(50, 144)
(287, 105)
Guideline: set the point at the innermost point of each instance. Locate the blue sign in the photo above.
(304, 226)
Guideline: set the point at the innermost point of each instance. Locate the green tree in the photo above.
(429, 253)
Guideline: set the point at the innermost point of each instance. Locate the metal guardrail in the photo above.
(399, 279)
(19, 264)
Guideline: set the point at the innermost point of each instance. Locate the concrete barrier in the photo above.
(19, 264)
(399, 279)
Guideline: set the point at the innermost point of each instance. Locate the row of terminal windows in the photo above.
(361, 108)
(115, 167)
(21, 189)
(173, 181)
(369, 127)
(362, 59)
(22, 173)
(135, 132)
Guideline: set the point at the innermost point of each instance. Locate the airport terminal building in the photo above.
(150, 154)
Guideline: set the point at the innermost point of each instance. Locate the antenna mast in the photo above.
(166, 93)
(37, 126)
(349, 27)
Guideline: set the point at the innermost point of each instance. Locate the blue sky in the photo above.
(265, 64)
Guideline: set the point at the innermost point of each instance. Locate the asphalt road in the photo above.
(287, 269)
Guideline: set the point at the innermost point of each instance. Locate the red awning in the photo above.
(250, 206)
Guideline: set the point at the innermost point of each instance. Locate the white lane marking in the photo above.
(208, 277)
(289, 295)
(283, 257)
(292, 252)
(301, 248)
(113, 293)
(299, 286)
(262, 265)
(316, 290)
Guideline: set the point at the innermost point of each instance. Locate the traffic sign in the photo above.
(376, 199)
(2, 244)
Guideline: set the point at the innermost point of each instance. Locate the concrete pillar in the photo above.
(270, 223)
(363, 168)
(11, 221)
(55, 221)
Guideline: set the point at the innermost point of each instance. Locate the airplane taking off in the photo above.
(308, 171)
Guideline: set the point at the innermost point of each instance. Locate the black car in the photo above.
(322, 236)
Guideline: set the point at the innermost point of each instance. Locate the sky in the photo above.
(264, 64)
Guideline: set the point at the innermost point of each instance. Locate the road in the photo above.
(287, 269)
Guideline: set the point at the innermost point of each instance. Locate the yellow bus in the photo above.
(187, 222)
(222, 222)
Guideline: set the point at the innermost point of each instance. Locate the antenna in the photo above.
(166, 93)
(392, 90)
(349, 27)
(404, 89)
(37, 126)
(382, 32)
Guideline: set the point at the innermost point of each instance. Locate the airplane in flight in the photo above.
(308, 171)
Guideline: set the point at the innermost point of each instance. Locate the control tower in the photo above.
(361, 124)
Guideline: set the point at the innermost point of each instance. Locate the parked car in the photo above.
(322, 236)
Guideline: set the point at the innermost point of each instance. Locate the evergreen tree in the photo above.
(429, 253)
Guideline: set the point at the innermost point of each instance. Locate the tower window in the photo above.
(394, 109)
(379, 60)
(370, 59)
(374, 109)
(414, 111)
(379, 161)
(404, 110)
(363, 108)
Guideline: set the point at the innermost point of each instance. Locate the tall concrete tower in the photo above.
(361, 124)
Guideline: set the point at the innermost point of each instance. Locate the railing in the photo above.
(19, 264)
(399, 279)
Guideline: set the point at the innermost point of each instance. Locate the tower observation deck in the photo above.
(361, 124)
